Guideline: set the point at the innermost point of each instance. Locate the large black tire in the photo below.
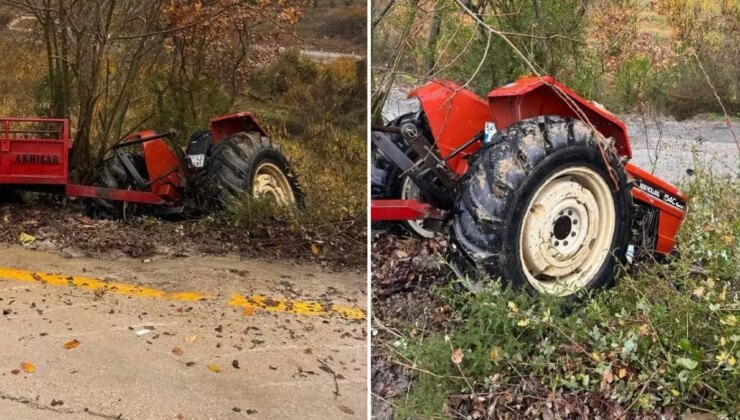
(112, 174)
(504, 179)
(232, 166)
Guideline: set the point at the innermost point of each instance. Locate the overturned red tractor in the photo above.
(534, 182)
(148, 172)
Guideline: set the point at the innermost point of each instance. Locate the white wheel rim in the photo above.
(567, 231)
(271, 183)
(411, 191)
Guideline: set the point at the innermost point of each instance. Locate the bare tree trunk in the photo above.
(63, 61)
(433, 35)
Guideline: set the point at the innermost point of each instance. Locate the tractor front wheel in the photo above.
(546, 208)
(112, 173)
(250, 163)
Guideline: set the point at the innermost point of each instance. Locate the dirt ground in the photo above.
(404, 273)
(283, 325)
(60, 226)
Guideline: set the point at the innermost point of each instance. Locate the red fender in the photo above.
(534, 96)
(225, 125)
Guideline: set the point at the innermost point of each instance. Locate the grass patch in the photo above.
(665, 340)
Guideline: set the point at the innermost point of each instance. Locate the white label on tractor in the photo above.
(489, 132)
(197, 160)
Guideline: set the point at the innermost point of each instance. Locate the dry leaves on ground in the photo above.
(346, 409)
(28, 367)
(71, 344)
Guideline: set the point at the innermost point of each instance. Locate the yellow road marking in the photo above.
(95, 284)
(293, 306)
(250, 304)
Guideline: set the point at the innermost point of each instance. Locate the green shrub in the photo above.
(312, 94)
(637, 85)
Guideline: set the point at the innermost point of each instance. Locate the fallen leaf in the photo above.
(190, 338)
(346, 409)
(85, 220)
(177, 351)
(248, 310)
(314, 249)
(608, 376)
(457, 356)
(26, 239)
(15, 371)
(71, 344)
(214, 368)
(495, 354)
(28, 367)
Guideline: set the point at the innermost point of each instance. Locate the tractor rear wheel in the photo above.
(545, 208)
(250, 163)
(112, 174)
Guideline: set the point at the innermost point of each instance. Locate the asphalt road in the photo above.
(188, 338)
